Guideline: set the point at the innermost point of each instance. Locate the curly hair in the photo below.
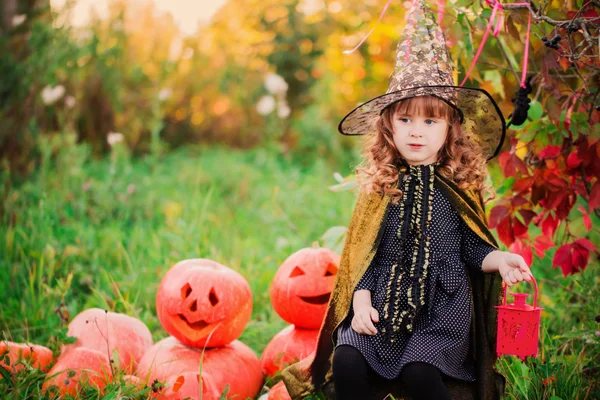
(459, 159)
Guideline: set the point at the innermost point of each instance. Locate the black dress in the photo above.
(440, 332)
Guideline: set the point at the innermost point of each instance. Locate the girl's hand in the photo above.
(513, 269)
(363, 320)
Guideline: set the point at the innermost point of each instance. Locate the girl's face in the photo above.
(419, 139)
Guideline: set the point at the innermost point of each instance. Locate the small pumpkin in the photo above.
(289, 345)
(279, 392)
(302, 285)
(203, 303)
(234, 364)
(77, 366)
(37, 356)
(187, 386)
(107, 331)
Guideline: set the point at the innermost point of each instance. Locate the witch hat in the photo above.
(423, 68)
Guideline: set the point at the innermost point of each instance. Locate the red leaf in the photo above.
(527, 215)
(506, 162)
(573, 161)
(542, 243)
(519, 228)
(496, 214)
(523, 184)
(518, 201)
(505, 231)
(585, 243)
(594, 200)
(579, 258)
(587, 222)
(549, 225)
(562, 259)
(523, 250)
(549, 151)
(565, 206)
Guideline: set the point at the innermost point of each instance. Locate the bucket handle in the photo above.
(535, 296)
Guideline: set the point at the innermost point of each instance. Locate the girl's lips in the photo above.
(415, 146)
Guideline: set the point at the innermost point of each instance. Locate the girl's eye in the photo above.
(404, 119)
(429, 120)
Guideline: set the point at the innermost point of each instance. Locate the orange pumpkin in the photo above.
(234, 364)
(78, 366)
(302, 285)
(279, 392)
(187, 386)
(203, 303)
(290, 345)
(37, 356)
(108, 331)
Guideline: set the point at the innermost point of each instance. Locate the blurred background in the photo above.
(138, 133)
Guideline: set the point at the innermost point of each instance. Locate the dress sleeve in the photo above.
(367, 282)
(473, 249)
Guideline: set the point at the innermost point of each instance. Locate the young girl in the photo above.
(412, 312)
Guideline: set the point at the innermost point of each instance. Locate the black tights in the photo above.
(355, 379)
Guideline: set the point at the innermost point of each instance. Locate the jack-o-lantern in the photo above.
(290, 345)
(203, 303)
(234, 364)
(302, 285)
(37, 356)
(76, 367)
(107, 331)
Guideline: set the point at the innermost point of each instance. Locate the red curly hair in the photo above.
(459, 159)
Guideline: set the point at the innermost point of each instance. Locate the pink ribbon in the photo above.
(371, 31)
(495, 6)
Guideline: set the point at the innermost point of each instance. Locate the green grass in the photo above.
(86, 233)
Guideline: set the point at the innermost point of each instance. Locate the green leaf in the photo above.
(506, 185)
(535, 111)
(495, 78)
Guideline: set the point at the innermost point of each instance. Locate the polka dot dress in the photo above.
(441, 329)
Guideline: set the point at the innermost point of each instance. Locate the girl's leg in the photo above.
(424, 382)
(350, 374)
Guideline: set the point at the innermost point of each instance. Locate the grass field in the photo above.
(86, 233)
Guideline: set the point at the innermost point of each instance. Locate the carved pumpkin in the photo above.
(290, 345)
(279, 392)
(203, 303)
(78, 366)
(108, 331)
(234, 364)
(301, 288)
(37, 356)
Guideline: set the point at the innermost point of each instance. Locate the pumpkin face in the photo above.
(37, 356)
(301, 288)
(234, 364)
(78, 366)
(290, 345)
(203, 303)
(107, 332)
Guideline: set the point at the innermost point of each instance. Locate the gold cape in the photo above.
(361, 243)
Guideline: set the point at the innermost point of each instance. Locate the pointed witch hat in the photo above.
(423, 68)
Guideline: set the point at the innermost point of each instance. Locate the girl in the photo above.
(412, 312)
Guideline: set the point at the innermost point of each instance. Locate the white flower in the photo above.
(265, 105)
(114, 137)
(164, 94)
(310, 7)
(283, 110)
(18, 20)
(338, 177)
(275, 84)
(51, 95)
(70, 101)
